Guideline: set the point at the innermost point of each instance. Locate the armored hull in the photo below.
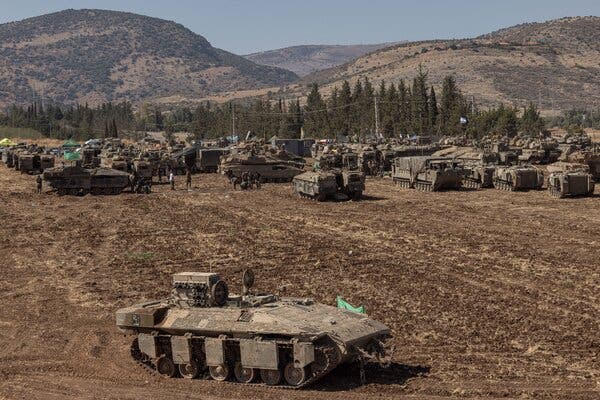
(284, 341)
(270, 169)
(478, 176)
(518, 178)
(427, 173)
(315, 185)
(75, 180)
(570, 184)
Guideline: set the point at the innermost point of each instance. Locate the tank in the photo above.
(281, 341)
(427, 173)
(524, 177)
(316, 185)
(76, 180)
(272, 168)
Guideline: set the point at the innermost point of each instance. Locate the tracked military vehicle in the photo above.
(427, 173)
(289, 342)
(78, 181)
(477, 176)
(141, 180)
(318, 185)
(570, 180)
(272, 168)
(524, 177)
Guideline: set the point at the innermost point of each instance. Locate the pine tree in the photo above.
(315, 118)
(433, 108)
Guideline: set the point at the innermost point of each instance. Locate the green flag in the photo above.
(341, 303)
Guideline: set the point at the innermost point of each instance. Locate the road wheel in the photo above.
(165, 366)
(271, 377)
(294, 376)
(243, 374)
(219, 372)
(189, 371)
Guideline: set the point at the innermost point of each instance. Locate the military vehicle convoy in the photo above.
(290, 342)
(427, 173)
(523, 177)
(78, 181)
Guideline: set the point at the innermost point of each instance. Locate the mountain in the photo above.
(554, 63)
(304, 60)
(96, 55)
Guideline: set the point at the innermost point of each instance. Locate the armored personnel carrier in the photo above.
(78, 181)
(478, 176)
(570, 180)
(427, 173)
(271, 167)
(281, 341)
(524, 177)
(316, 185)
(29, 163)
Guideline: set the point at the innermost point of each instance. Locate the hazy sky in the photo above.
(252, 25)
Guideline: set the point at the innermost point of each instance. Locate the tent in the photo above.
(6, 142)
(70, 144)
(341, 303)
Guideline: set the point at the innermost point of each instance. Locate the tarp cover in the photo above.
(341, 303)
(72, 156)
(6, 142)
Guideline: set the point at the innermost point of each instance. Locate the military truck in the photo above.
(291, 342)
(318, 185)
(427, 173)
(523, 177)
(78, 181)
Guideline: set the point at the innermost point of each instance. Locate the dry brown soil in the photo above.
(489, 294)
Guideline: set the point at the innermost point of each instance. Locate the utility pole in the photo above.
(376, 117)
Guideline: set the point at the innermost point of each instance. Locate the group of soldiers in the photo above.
(247, 181)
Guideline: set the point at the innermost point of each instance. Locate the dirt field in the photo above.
(489, 294)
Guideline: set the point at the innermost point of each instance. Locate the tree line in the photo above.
(403, 109)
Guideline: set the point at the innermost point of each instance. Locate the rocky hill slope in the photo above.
(306, 59)
(555, 64)
(95, 56)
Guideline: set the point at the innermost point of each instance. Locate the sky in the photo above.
(246, 26)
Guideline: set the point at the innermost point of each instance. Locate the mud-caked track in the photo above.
(489, 294)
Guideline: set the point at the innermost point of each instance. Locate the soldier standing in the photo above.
(38, 180)
(160, 173)
(172, 180)
(188, 179)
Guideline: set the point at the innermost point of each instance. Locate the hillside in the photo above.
(556, 63)
(307, 59)
(95, 55)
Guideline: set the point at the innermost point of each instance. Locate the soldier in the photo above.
(172, 180)
(38, 180)
(188, 179)
(160, 174)
(245, 180)
(257, 180)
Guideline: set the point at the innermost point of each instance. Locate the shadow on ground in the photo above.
(347, 377)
